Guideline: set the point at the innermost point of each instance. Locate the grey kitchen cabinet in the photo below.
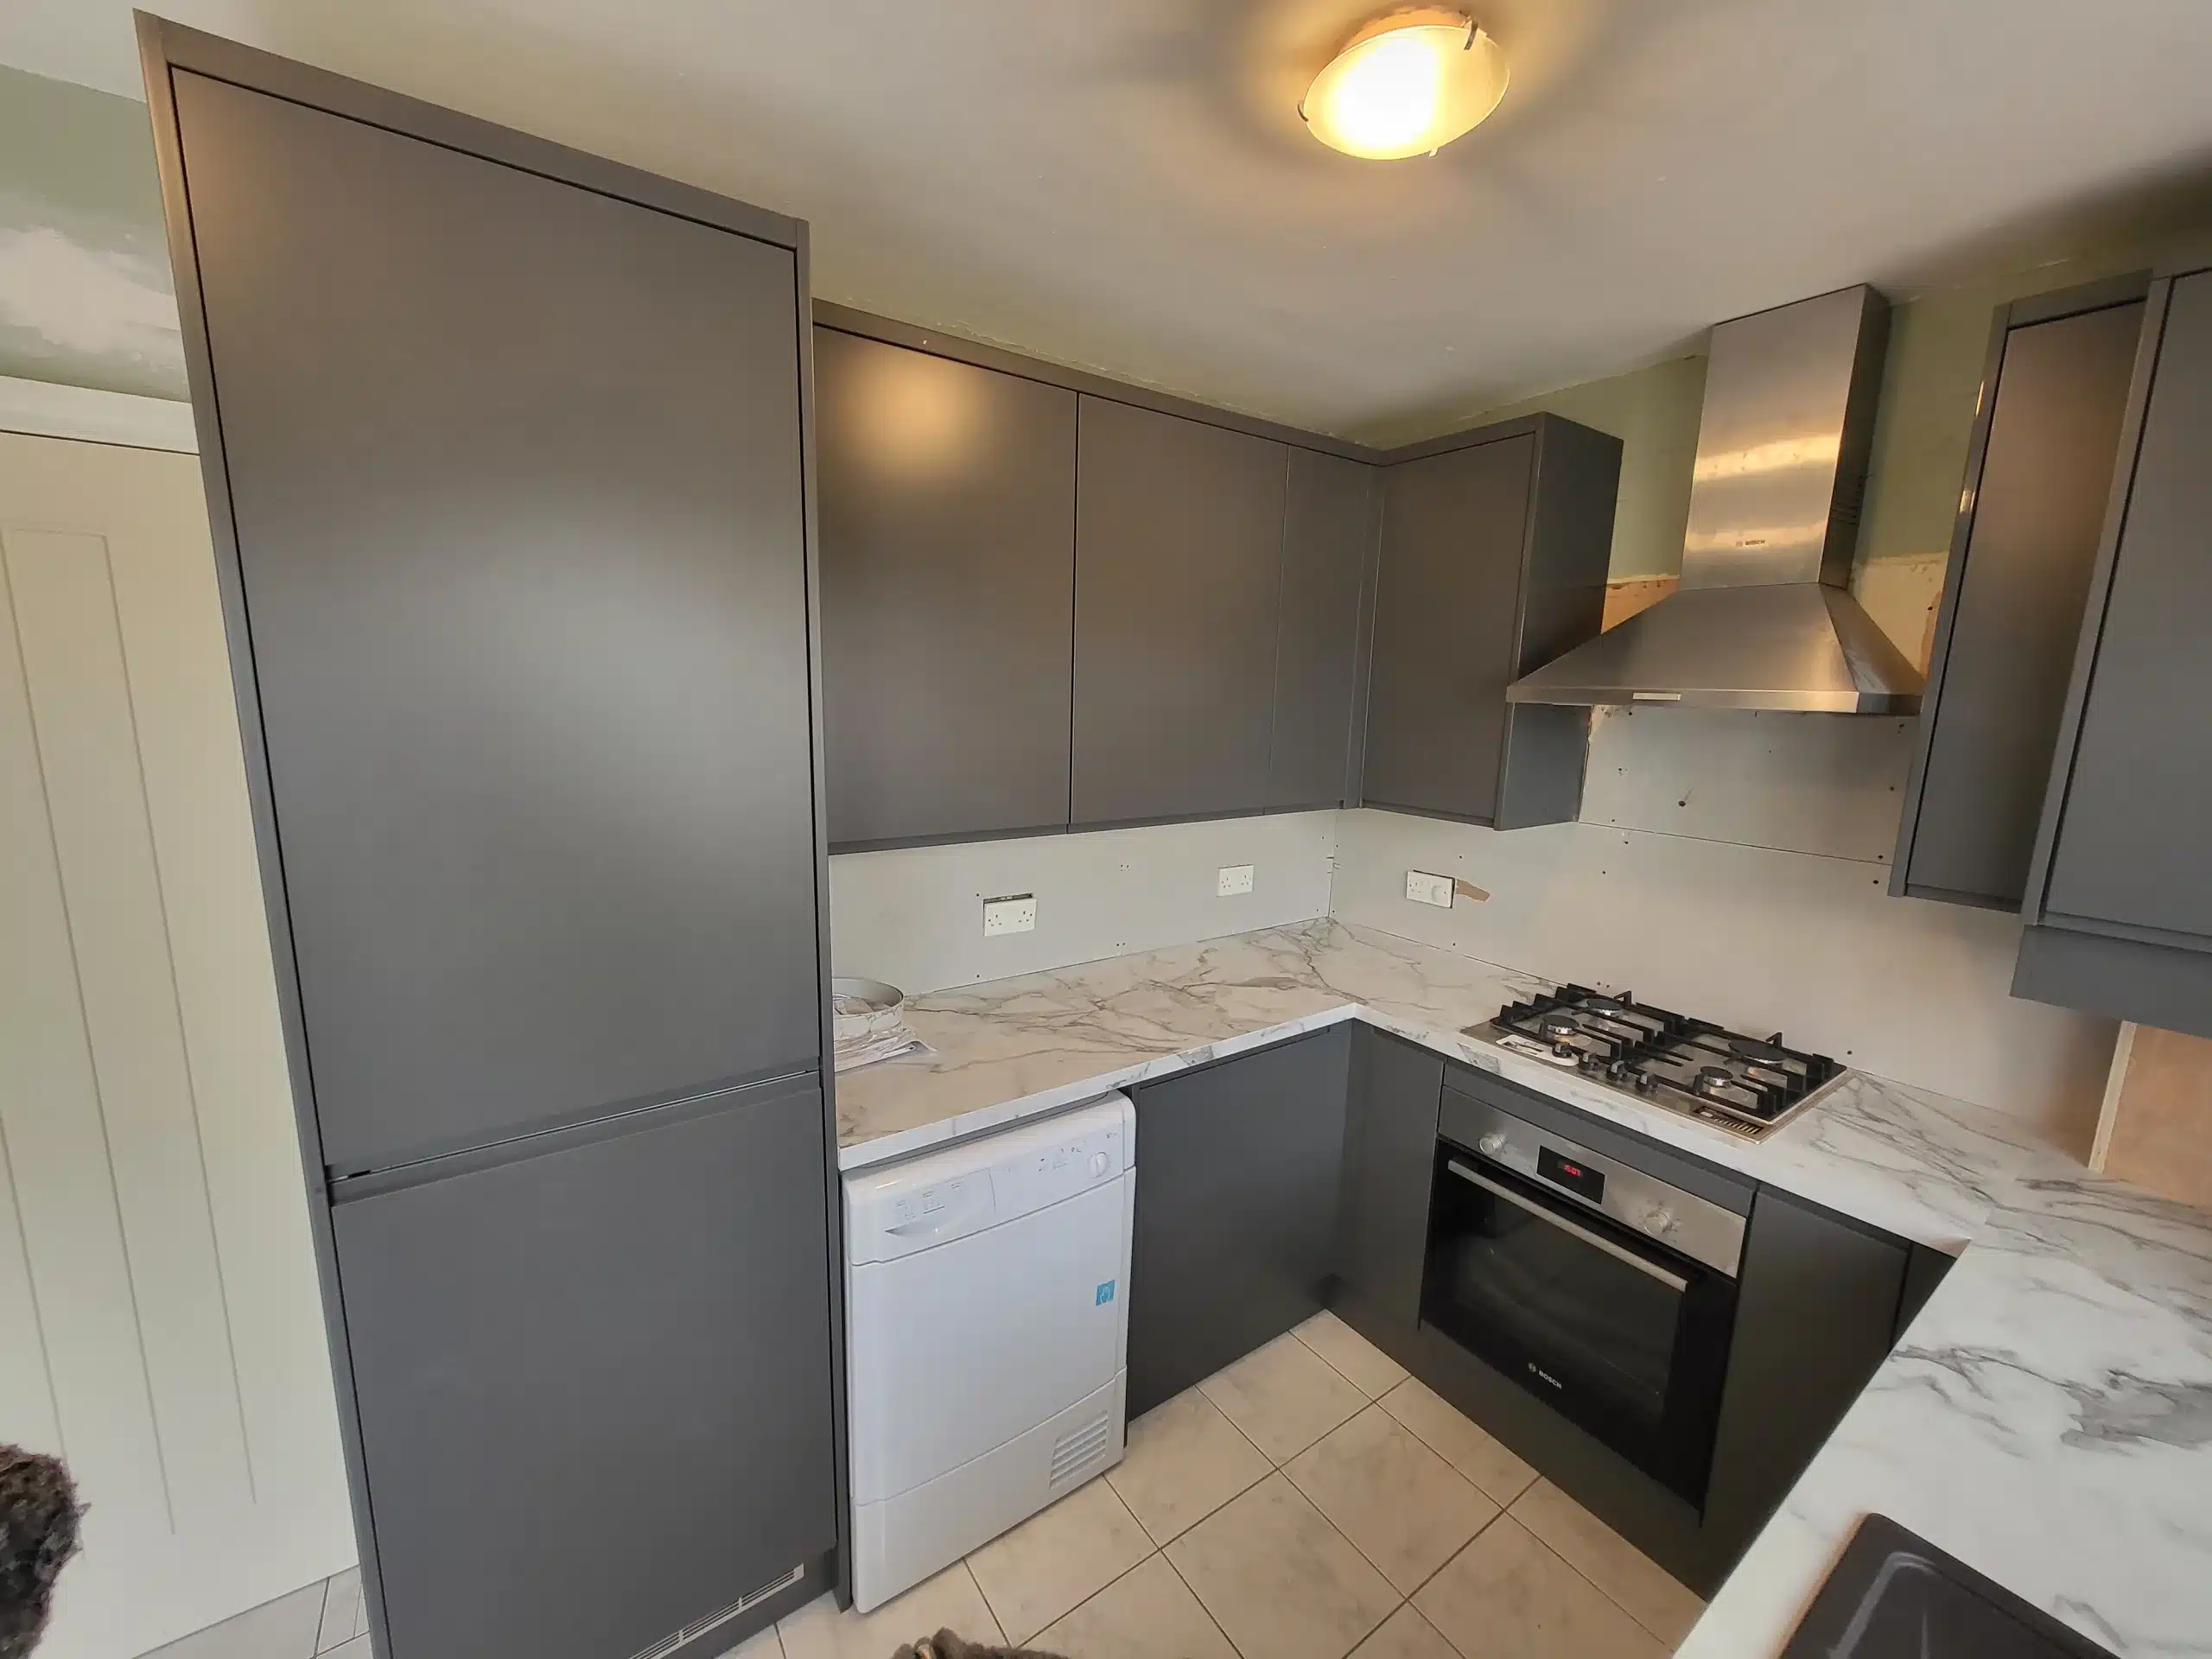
(2119, 892)
(1493, 555)
(1816, 1312)
(629, 1325)
(507, 481)
(947, 510)
(2038, 477)
(1178, 560)
(1236, 1203)
(1331, 515)
(1389, 1158)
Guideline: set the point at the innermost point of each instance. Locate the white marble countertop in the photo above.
(2047, 1418)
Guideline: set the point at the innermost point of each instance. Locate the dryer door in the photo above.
(957, 1348)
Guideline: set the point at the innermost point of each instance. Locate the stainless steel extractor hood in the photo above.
(1761, 619)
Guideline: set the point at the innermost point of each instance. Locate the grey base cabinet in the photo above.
(1238, 1185)
(1389, 1159)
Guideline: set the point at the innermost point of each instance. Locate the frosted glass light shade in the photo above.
(1406, 85)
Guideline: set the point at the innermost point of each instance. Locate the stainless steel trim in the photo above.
(1673, 1280)
(1690, 1226)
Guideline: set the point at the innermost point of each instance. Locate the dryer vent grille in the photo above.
(699, 1627)
(1079, 1450)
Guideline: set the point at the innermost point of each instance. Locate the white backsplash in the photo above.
(915, 916)
(1758, 939)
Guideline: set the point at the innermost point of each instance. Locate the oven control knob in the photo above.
(1491, 1144)
(1658, 1218)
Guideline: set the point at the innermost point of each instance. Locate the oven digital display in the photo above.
(1575, 1178)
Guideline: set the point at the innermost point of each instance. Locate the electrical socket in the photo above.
(1232, 880)
(1426, 889)
(1014, 913)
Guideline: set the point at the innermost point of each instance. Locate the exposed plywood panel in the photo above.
(2159, 1133)
(156, 1277)
(1800, 783)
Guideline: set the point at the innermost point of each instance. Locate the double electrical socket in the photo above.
(1014, 913)
(1232, 880)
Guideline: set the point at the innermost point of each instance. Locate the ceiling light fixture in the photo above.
(1406, 85)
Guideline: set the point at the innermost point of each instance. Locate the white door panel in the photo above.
(156, 1278)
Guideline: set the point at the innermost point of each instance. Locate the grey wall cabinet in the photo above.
(1493, 556)
(1389, 1160)
(2119, 894)
(1236, 1208)
(1331, 515)
(507, 485)
(2038, 477)
(947, 507)
(1816, 1311)
(1179, 561)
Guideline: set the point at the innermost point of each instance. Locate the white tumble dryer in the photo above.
(987, 1294)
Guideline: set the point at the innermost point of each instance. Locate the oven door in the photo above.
(1626, 1337)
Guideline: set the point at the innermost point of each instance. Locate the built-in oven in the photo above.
(1592, 1284)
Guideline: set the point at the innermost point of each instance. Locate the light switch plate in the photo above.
(1233, 880)
(1426, 889)
(1014, 913)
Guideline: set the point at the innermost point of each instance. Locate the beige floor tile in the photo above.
(761, 1644)
(283, 1629)
(1147, 1613)
(1405, 1508)
(949, 1601)
(1185, 1461)
(1058, 1558)
(342, 1615)
(1283, 1396)
(1467, 1446)
(1651, 1596)
(1281, 1580)
(1370, 1370)
(1506, 1597)
(1404, 1635)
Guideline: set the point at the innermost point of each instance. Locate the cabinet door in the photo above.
(1328, 548)
(1178, 556)
(1389, 1157)
(2130, 853)
(947, 508)
(1236, 1209)
(593, 1383)
(1816, 1307)
(2012, 604)
(1446, 598)
(516, 478)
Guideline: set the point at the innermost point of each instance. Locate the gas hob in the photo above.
(1745, 1085)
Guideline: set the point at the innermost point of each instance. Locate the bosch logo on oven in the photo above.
(1537, 1370)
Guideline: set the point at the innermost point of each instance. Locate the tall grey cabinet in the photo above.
(505, 448)
(2039, 475)
(2119, 892)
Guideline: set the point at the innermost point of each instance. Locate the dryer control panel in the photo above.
(903, 1207)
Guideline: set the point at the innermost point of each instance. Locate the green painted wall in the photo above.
(1938, 338)
(84, 291)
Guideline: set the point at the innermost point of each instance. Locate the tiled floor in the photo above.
(1310, 1501)
(324, 1619)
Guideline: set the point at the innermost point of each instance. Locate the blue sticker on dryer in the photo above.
(1105, 1295)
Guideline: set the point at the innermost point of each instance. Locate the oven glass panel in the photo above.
(1577, 1315)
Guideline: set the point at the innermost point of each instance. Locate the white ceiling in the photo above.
(1125, 184)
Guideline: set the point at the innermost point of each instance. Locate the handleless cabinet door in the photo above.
(1178, 556)
(1390, 1160)
(592, 1384)
(947, 507)
(1328, 549)
(2018, 579)
(2134, 842)
(516, 477)
(1446, 603)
